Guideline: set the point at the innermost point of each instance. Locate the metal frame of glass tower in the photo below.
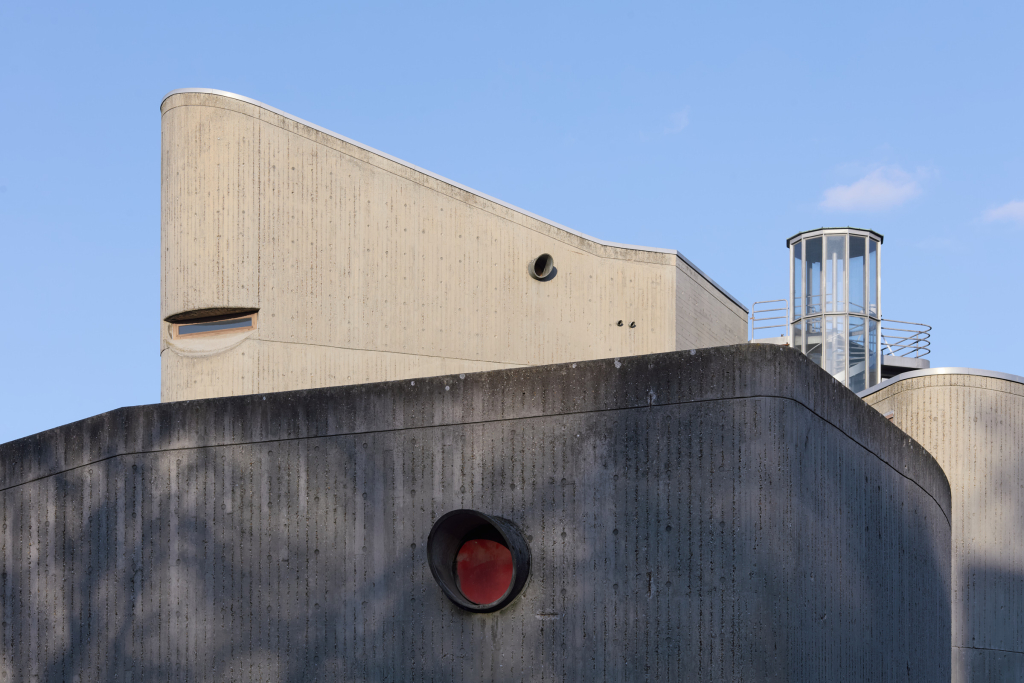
(835, 297)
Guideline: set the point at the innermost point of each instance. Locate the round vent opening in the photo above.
(542, 267)
(481, 562)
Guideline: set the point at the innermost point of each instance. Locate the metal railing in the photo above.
(907, 342)
(760, 313)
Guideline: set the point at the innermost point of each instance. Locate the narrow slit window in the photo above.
(187, 329)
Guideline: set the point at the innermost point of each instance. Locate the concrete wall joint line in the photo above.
(397, 353)
(494, 421)
(898, 389)
(987, 649)
(941, 372)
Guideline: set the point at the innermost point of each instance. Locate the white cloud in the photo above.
(678, 121)
(881, 189)
(1010, 211)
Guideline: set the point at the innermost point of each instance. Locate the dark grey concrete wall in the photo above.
(726, 514)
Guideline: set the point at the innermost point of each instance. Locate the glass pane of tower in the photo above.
(872, 278)
(857, 280)
(798, 279)
(812, 279)
(835, 273)
(835, 346)
(858, 360)
(874, 370)
(814, 339)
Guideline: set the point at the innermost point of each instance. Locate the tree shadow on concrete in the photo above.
(993, 602)
(740, 539)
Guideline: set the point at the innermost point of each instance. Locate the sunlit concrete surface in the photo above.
(973, 423)
(729, 514)
(365, 268)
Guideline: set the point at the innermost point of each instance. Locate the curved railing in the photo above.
(911, 341)
(761, 313)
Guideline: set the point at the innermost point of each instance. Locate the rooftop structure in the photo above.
(834, 310)
(835, 285)
(293, 257)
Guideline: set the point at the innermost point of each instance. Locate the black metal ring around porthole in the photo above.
(448, 535)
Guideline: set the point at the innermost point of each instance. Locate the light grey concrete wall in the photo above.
(974, 426)
(729, 514)
(367, 269)
(704, 316)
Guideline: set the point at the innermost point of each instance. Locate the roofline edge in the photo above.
(249, 100)
(941, 371)
(880, 236)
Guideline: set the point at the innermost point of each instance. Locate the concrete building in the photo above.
(294, 258)
(972, 422)
(833, 312)
(729, 514)
(579, 490)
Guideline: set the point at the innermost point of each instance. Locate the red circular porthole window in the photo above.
(483, 570)
(481, 562)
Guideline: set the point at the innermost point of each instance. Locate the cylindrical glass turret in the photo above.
(834, 299)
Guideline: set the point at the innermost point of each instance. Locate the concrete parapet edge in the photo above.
(728, 372)
(930, 372)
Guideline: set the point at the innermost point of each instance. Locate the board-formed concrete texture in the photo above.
(365, 268)
(729, 514)
(972, 421)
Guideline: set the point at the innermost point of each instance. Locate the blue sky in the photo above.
(719, 129)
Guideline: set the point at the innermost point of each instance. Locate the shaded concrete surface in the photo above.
(973, 423)
(997, 601)
(722, 514)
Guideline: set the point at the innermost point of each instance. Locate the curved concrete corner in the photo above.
(972, 421)
(366, 268)
(728, 514)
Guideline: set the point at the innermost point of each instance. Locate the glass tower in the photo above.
(835, 302)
